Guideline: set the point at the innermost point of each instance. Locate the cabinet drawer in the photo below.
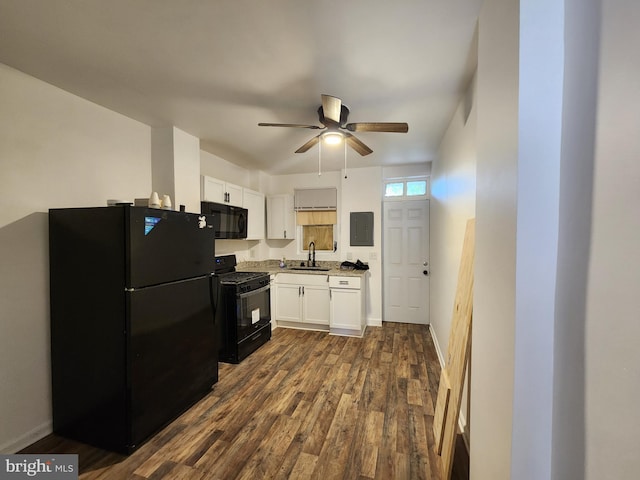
(301, 279)
(344, 282)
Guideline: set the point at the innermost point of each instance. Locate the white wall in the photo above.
(175, 160)
(572, 410)
(361, 191)
(216, 167)
(162, 173)
(582, 25)
(453, 201)
(56, 150)
(611, 353)
(494, 282)
(541, 85)
(186, 171)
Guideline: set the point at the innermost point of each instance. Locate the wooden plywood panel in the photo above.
(317, 218)
(322, 235)
(458, 349)
(442, 407)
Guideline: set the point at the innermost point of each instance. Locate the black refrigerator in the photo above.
(133, 336)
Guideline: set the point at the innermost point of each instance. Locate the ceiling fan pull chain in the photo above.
(345, 159)
(320, 158)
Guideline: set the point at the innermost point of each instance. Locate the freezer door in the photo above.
(173, 360)
(164, 246)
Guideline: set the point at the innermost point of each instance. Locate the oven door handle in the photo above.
(253, 292)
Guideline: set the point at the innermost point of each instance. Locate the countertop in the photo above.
(273, 267)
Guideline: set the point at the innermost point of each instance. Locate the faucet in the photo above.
(311, 262)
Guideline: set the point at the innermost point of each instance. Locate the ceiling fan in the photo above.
(333, 116)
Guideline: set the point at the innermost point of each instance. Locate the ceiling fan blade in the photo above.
(309, 144)
(378, 127)
(357, 145)
(332, 107)
(293, 125)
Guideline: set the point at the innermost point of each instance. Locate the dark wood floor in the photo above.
(306, 405)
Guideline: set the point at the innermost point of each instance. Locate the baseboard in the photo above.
(437, 345)
(374, 322)
(462, 421)
(23, 441)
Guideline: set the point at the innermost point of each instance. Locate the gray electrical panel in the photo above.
(361, 229)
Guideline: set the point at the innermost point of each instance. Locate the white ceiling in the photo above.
(215, 68)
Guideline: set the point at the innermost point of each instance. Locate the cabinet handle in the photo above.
(344, 282)
(285, 234)
(299, 291)
(303, 291)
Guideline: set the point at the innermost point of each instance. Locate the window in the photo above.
(318, 227)
(395, 189)
(409, 188)
(416, 188)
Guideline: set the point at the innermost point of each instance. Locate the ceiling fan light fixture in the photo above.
(332, 138)
(333, 115)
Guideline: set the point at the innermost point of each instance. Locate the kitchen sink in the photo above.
(315, 269)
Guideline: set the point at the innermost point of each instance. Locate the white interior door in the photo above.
(406, 261)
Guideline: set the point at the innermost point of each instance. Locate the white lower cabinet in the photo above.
(348, 306)
(302, 300)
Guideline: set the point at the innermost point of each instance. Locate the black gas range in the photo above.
(244, 311)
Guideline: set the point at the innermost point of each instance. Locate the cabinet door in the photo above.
(316, 305)
(345, 309)
(213, 190)
(288, 298)
(254, 203)
(234, 194)
(280, 217)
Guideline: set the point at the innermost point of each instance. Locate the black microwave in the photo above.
(229, 221)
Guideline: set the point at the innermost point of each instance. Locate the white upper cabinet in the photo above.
(219, 191)
(254, 203)
(234, 194)
(281, 221)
